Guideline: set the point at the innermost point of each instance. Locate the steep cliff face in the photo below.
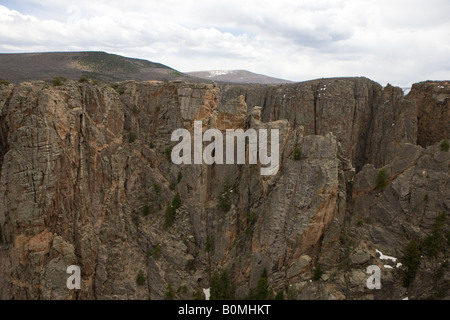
(369, 121)
(434, 112)
(86, 180)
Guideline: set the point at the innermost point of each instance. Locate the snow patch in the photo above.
(384, 257)
(215, 73)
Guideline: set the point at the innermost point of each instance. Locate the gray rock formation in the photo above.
(86, 180)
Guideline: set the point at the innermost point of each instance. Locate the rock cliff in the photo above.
(86, 179)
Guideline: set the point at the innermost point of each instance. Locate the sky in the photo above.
(389, 41)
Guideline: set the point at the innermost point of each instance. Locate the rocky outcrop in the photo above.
(369, 121)
(433, 99)
(86, 180)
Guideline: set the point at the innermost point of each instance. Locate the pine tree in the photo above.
(220, 286)
(297, 154)
(170, 293)
(262, 289)
(317, 273)
(410, 262)
(140, 278)
(381, 179)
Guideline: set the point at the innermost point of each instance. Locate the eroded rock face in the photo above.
(86, 179)
(433, 97)
(371, 122)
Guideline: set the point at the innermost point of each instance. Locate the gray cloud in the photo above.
(398, 42)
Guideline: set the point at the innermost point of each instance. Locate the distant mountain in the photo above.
(236, 76)
(104, 66)
(18, 67)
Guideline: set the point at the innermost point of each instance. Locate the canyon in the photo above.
(86, 180)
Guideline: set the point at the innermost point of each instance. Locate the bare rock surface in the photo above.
(86, 180)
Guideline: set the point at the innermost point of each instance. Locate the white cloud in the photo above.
(399, 42)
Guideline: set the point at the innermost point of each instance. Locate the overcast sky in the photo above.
(389, 41)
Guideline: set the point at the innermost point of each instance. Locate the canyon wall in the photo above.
(86, 179)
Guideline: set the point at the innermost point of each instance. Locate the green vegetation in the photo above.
(317, 273)
(170, 215)
(172, 185)
(151, 145)
(4, 82)
(208, 249)
(381, 179)
(221, 286)
(251, 218)
(157, 188)
(223, 200)
(171, 210)
(435, 241)
(183, 289)
(263, 291)
(180, 176)
(425, 198)
(251, 221)
(360, 222)
(140, 278)
(168, 152)
(58, 81)
(102, 61)
(83, 79)
(447, 236)
(262, 288)
(111, 63)
(280, 295)
(176, 201)
(297, 154)
(146, 210)
(154, 252)
(119, 88)
(208, 245)
(198, 295)
(410, 263)
(175, 74)
(292, 293)
(131, 137)
(170, 293)
(445, 145)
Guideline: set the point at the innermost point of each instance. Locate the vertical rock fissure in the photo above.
(77, 190)
(4, 146)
